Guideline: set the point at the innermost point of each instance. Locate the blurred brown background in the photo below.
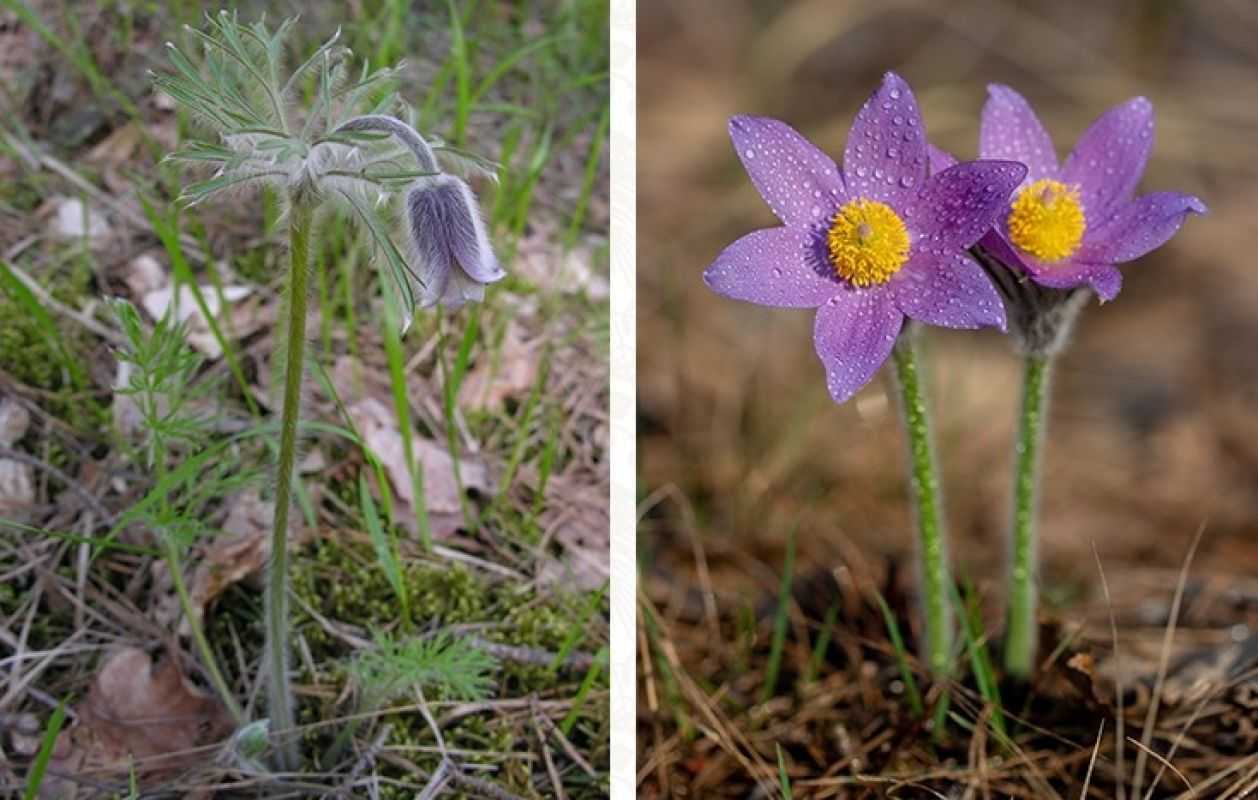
(1153, 417)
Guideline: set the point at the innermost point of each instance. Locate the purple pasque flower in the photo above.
(1069, 224)
(871, 244)
(451, 247)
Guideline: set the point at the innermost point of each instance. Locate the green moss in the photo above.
(345, 585)
(35, 356)
(258, 265)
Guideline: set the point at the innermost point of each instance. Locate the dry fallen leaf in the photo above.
(74, 220)
(185, 308)
(239, 553)
(243, 549)
(549, 265)
(118, 147)
(576, 517)
(511, 375)
(379, 428)
(136, 715)
(15, 420)
(145, 274)
(17, 480)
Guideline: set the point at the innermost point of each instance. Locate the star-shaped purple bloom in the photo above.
(871, 244)
(1095, 188)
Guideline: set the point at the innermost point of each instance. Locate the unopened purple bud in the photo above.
(455, 259)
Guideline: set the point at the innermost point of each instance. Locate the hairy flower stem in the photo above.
(280, 694)
(198, 633)
(925, 491)
(1020, 633)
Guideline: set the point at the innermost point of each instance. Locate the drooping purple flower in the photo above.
(454, 256)
(867, 246)
(1069, 224)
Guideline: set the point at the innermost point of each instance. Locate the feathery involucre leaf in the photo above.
(441, 665)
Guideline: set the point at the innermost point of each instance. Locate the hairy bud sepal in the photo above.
(451, 248)
(1040, 318)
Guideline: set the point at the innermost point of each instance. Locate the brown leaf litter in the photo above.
(136, 715)
(579, 521)
(848, 731)
(509, 376)
(239, 553)
(379, 428)
(183, 307)
(17, 480)
(545, 262)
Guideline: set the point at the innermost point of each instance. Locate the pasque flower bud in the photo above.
(453, 256)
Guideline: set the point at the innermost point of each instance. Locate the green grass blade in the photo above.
(823, 643)
(524, 429)
(591, 174)
(167, 231)
(462, 79)
(35, 777)
(385, 546)
(78, 56)
(98, 543)
(583, 691)
(980, 660)
(508, 61)
(402, 406)
(579, 627)
(901, 655)
(784, 781)
(454, 375)
(780, 619)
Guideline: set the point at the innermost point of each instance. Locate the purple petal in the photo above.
(886, 156)
(772, 267)
(854, 334)
(998, 247)
(939, 159)
(1106, 281)
(446, 230)
(459, 290)
(799, 182)
(1073, 274)
(1011, 130)
(436, 281)
(1138, 227)
(1062, 275)
(950, 291)
(471, 247)
(1109, 158)
(957, 206)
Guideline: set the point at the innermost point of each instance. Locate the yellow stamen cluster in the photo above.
(868, 243)
(1047, 221)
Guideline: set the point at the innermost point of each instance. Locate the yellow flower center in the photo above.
(868, 243)
(1046, 220)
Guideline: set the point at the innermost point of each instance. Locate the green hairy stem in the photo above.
(1020, 633)
(925, 494)
(198, 633)
(280, 693)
